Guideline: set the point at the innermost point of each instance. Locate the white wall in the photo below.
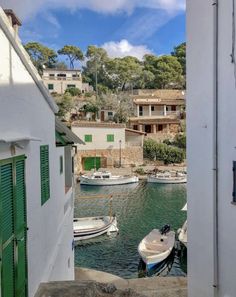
(200, 131)
(99, 137)
(23, 110)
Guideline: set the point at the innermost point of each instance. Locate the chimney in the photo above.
(13, 19)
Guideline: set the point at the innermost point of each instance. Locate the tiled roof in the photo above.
(97, 124)
(159, 97)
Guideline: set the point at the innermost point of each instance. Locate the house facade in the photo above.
(36, 178)
(58, 81)
(211, 144)
(158, 112)
(107, 145)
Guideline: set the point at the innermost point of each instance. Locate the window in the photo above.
(88, 138)
(51, 75)
(173, 108)
(110, 113)
(61, 164)
(44, 172)
(50, 86)
(152, 108)
(61, 75)
(140, 110)
(110, 137)
(70, 86)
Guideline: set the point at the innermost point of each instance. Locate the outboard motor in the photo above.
(165, 229)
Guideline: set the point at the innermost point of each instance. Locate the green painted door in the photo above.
(92, 163)
(13, 228)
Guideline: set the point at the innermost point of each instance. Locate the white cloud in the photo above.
(29, 8)
(124, 48)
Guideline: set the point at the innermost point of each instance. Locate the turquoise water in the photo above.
(139, 209)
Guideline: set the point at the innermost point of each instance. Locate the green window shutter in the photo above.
(110, 137)
(61, 164)
(7, 229)
(50, 86)
(88, 138)
(44, 170)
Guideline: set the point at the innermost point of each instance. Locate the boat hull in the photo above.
(151, 257)
(153, 179)
(88, 233)
(108, 182)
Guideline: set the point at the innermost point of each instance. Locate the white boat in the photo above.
(156, 247)
(168, 178)
(182, 232)
(89, 227)
(105, 178)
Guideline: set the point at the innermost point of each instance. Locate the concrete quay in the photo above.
(93, 283)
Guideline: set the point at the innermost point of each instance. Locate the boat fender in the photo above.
(165, 229)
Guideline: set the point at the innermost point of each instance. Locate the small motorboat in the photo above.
(168, 178)
(89, 227)
(182, 232)
(105, 178)
(156, 246)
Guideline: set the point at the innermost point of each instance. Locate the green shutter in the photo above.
(20, 230)
(88, 138)
(110, 137)
(44, 170)
(7, 229)
(61, 164)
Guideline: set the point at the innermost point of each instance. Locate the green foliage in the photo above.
(180, 53)
(140, 171)
(73, 91)
(41, 55)
(180, 141)
(90, 107)
(65, 105)
(74, 53)
(162, 152)
(61, 66)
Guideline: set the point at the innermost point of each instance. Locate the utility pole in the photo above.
(120, 153)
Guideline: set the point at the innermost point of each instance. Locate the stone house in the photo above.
(36, 175)
(158, 112)
(57, 81)
(107, 145)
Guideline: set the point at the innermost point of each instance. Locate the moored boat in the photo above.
(105, 178)
(168, 178)
(89, 227)
(182, 232)
(156, 246)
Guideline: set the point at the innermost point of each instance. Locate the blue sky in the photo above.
(121, 26)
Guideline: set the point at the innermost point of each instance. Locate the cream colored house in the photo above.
(158, 112)
(57, 81)
(108, 145)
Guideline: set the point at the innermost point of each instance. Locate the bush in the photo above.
(73, 91)
(180, 141)
(140, 171)
(162, 152)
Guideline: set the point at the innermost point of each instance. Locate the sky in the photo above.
(122, 27)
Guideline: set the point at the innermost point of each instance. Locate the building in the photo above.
(57, 81)
(108, 145)
(36, 175)
(158, 112)
(211, 148)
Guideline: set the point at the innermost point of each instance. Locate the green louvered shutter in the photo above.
(20, 230)
(7, 229)
(44, 170)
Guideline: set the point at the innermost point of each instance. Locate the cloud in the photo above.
(124, 48)
(29, 8)
(50, 18)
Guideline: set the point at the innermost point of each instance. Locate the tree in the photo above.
(180, 53)
(73, 91)
(65, 105)
(41, 55)
(61, 66)
(73, 53)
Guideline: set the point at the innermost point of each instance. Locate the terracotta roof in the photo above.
(153, 120)
(15, 19)
(135, 131)
(98, 125)
(160, 97)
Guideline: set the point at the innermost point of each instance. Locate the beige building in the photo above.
(58, 81)
(158, 112)
(107, 145)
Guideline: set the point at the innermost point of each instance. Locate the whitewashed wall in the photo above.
(23, 110)
(99, 137)
(200, 130)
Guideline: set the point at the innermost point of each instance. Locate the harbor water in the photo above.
(139, 209)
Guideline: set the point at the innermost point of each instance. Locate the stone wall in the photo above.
(111, 158)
